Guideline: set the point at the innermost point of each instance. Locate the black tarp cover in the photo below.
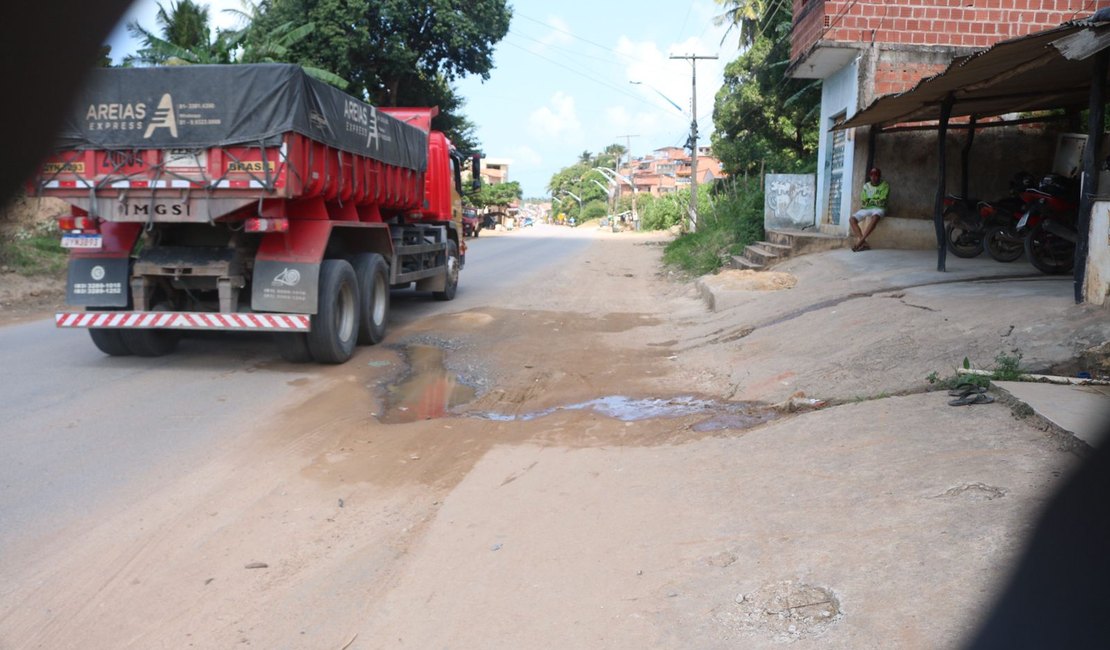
(201, 106)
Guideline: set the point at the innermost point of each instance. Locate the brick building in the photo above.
(863, 49)
(668, 169)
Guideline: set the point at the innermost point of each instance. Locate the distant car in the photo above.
(472, 225)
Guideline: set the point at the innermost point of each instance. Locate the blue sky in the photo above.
(560, 85)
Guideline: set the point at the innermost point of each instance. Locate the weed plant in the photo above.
(730, 216)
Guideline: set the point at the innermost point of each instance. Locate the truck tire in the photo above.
(109, 341)
(293, 347)
(452, 270)
(150, 343)
(335, 326)
(373, 288)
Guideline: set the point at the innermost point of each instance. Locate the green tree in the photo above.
(500, 195)
(184, 36)
(749, 17)
(399, 52)
(761, 116)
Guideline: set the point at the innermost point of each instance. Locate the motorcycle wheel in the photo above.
(963, 242)
(1050, 253)
(1001, 247)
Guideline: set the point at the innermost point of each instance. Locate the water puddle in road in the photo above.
(740, 415)
(429, 391)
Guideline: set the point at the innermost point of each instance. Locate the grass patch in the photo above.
(34, 253)
(730, 217)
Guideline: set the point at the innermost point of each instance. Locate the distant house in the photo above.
(495, 171)
(863, 49)
(668, 169)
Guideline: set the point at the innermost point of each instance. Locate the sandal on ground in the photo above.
(861, 247)
(966, 388)
(972, 398)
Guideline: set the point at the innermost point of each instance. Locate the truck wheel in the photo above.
(109, 342)
(452, 265)
(150, 343)
(293, 347)
(335, 325)
(373, 288)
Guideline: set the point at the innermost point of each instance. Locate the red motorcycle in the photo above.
(1050, 236)
(1054, 199)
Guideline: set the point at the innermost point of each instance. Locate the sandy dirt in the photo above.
(519, 518)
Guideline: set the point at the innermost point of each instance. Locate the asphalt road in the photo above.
(81, 431)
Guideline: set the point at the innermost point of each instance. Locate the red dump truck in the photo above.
(248, 198)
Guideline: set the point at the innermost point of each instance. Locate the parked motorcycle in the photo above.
(964, 232)
(973, 220)
(1055, 198)
(1050, 241)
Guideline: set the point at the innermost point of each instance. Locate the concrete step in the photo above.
(807, 241)
(764, 254)
(744, 264)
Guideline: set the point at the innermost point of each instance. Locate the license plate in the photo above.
(184, 160)
(81, 241)
(1024, 219)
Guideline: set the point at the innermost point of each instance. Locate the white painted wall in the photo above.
(839, 93)
(1097, 278)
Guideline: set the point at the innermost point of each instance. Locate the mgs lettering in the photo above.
(158, 209)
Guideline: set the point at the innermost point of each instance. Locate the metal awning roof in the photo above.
(1045, 70)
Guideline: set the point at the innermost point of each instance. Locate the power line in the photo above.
(568, 50)
(571, 34)
(590, 78)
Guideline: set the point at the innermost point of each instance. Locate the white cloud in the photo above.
(526, 157)
(557, 121)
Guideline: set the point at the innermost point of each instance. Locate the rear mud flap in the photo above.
(98, 281)
(289, 287)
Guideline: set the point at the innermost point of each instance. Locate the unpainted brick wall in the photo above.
(958, 23)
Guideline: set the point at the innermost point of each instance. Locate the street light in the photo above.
(618, 178)
(668, 99)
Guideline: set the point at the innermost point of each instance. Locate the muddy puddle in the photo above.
(430, 391)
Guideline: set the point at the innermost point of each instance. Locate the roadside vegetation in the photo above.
(32, 249)
(764, 122)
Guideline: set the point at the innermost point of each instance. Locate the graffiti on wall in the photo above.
(789, 200)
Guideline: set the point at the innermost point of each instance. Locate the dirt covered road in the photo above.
(593, 461)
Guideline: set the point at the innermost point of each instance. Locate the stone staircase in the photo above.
(782, 244)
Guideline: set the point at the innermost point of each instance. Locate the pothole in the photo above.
(786, 610)
(427, 392)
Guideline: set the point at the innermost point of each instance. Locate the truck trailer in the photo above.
(248, 198)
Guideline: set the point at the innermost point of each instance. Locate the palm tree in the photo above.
(750, 16)
(184, 37)
(182, 45)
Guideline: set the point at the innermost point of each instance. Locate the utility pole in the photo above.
(693, 58)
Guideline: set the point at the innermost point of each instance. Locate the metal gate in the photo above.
(834, 171)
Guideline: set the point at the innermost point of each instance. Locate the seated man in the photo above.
(872, 207)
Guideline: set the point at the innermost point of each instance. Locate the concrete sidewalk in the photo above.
(978, 309)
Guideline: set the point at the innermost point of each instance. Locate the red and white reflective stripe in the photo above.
(183, 320)
(238, 185)
(67, 184)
